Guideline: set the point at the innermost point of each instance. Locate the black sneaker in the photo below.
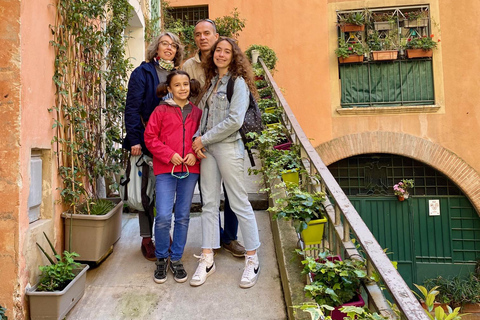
(160, 274)
(179, 273)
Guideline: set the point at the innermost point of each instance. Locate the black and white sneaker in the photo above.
(160, 274)
(206, 266)
(251, 271)
(179, 273)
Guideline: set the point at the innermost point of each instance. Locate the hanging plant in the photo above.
(90, 77)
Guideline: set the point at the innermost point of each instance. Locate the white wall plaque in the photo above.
(434, 207)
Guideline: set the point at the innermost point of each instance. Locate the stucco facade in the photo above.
(27, 92)
(304, 37)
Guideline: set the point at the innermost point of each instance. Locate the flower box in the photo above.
(291, 177)
(415, 23)
(336, 314)
(270, 110)
(350, 27)
(385, 55)
(383, 25)
(351, 59)
(283, 146)
(314, 232)
(419, 53)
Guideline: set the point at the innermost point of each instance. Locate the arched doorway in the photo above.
(424, 245)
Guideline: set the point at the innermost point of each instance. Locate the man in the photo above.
(205, 36)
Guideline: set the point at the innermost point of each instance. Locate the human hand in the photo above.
(136, 150)
(197, 144)
(176, 159)
(200, 154)
(190, 159)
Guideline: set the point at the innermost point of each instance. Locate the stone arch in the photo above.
(436, 156)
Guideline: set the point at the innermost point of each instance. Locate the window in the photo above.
(190, 15)
(36, 179)
(385, 72)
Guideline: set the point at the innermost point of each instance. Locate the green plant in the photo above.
(99, 207)
(357, 18)
(258, 71)
(261, 84)
(90, 75)
(378, 42)
(268, 55)
(361, 313)
(267, 103)
(299, 206)
(265, 92)
(428, 296)
(416, 15)
(456, 291)
(347, 48)
(57, 275)
(3, 312)
(270, 118)
(384, 16)
(334, 282)
(425, 43)
(230, 26)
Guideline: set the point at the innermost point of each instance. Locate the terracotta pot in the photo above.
(350, 27)
(401, 198)
(471, 308)
(419, 53)
(385, 55)
(351, 59)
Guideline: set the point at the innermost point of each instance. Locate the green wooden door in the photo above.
(424, 246)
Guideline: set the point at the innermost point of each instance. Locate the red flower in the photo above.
(350, 48)
(438, 40)
(409, 39)
(431, 36)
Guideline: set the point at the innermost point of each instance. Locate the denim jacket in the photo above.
(226, 118)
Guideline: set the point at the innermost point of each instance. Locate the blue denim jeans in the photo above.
(230, 222)
(170, 191)
(225, 160)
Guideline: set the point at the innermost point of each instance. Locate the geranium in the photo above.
(425, 43)
(347, 48)
(401, 188)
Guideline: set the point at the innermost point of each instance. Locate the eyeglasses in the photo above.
(168, 44)
(209, 21)
(183, 176)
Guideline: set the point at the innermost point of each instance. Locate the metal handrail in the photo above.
(339, 231)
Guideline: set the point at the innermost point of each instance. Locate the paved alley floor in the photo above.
(122, 287)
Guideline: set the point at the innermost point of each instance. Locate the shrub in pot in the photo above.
(268, 55)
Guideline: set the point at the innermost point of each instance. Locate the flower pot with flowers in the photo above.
(352, 22)
(349, 52)
(383, 21)
(401, 189)
(415, 18)
(421, 47)
(383, 46)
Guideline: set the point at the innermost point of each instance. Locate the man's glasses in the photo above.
(182, 175)
(209, 21)
(168, 44)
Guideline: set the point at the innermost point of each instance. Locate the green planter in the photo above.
(314, 232)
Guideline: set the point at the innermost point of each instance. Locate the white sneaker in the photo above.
(206, 266)
(251, 271)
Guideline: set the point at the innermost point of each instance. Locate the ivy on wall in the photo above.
(90, 78)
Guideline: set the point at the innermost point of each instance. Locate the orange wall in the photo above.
(298, 31)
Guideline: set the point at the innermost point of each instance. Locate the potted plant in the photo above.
(264, 104)
(260, 84)
(270, 119)
(92, 235)
(352, 22)
(230, 26)
(463, 292)
(3, 315)
(305, 210)
(383, 46)
(61, 285)
(383, 21)
(401, 189)
(421, 47)
(266, 54)
(265, 93)
(415, 18)
(335, 282)
(436, 312)
(349, 52)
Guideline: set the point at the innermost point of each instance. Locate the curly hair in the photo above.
(153, 48)
(239, 66)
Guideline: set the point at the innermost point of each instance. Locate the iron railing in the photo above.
(344, 220)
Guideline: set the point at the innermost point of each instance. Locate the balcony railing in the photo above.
(344, 220)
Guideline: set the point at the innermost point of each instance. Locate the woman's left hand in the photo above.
(190, 160)
(197, 144)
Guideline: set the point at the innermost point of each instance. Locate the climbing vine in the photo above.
(90, 78)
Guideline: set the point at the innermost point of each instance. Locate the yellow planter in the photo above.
(314, 232)
(270, 110)
(291, 177)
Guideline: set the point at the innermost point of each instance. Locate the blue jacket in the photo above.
(141, 101)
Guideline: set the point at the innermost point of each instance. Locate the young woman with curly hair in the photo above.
(220, 145)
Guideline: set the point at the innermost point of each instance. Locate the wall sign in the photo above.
(434, 207)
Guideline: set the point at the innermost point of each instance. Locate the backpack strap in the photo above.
(230, 85)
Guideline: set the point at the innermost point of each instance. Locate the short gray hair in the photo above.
(153, 48)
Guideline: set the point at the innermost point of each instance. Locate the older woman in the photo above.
(222, 150)
(164, 54)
